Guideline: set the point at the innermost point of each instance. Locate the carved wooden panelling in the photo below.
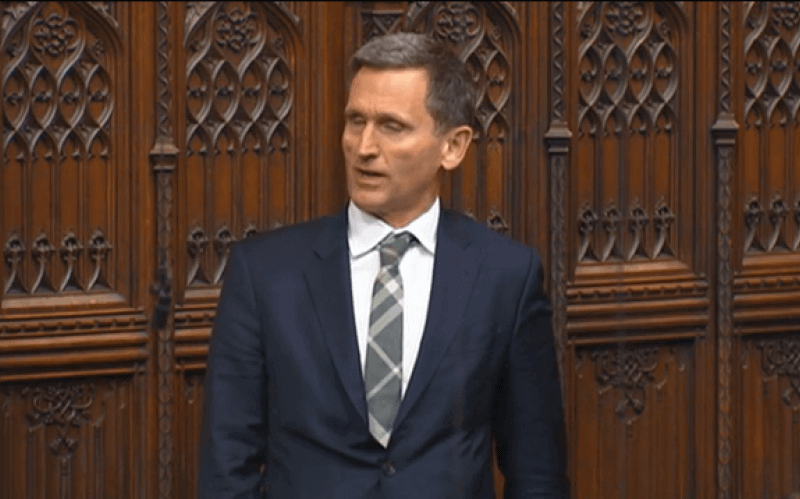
(377, 23)
(108, 10)
(778, 234)
(486, 35)
(72, 439)
(64, 160)
(770, 435)
(609, 224)
(83, 347)
(634, 228)
(69, 252)
(633, 153)
(653, 145)
(781, 359)
(767, 200)
(629, 372)
(189, 409)
(240, 154)
(770, 200)
(633, 421)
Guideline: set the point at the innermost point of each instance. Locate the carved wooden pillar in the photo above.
(558, 139)
(724, 130)
(163, 157)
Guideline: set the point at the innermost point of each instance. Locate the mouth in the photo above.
(368, 174)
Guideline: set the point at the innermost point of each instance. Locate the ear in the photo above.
(456, 143)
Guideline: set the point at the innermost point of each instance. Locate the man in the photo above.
(374, 354)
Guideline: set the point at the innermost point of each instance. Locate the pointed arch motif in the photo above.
(630, 71)
(240, 96)
(771, 125)
(59, 99)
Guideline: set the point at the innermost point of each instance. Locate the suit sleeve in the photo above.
(529, 419)
(234, 433)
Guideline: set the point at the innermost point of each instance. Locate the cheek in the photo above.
(347, 144)
(419, 163)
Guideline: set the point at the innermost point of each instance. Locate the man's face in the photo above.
(391, 149)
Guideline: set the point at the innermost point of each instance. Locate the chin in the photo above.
(370, 203)
(371, 207)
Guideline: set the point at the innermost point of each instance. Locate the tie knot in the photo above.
(393, 247)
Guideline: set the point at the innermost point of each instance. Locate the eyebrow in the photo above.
(351, 112)
(380, 117)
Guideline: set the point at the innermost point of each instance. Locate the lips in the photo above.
(369, 179)
(369, 173)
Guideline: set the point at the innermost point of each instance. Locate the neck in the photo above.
(397, 220)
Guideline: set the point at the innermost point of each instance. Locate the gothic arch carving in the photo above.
(240, 126)
(60, 100)
(630, 78)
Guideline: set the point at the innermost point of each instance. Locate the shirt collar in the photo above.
(365, 231)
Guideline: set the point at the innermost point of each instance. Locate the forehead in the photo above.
(403, 90)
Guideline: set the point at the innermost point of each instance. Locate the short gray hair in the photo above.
(451, 91)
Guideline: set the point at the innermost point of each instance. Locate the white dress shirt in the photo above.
(364, 232)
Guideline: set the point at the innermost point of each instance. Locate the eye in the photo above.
(393, 126)
(354, 119)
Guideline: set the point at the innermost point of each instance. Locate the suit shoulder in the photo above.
(496, 247)
(286, 240)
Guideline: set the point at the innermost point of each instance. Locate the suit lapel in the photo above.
(331, 291)
(455, 267)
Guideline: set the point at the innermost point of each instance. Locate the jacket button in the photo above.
(388, 468)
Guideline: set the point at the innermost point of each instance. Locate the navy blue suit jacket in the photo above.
(284, 384)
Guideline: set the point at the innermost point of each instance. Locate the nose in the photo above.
(367, 143)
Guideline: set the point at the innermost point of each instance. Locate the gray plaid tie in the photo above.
(383, 373)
